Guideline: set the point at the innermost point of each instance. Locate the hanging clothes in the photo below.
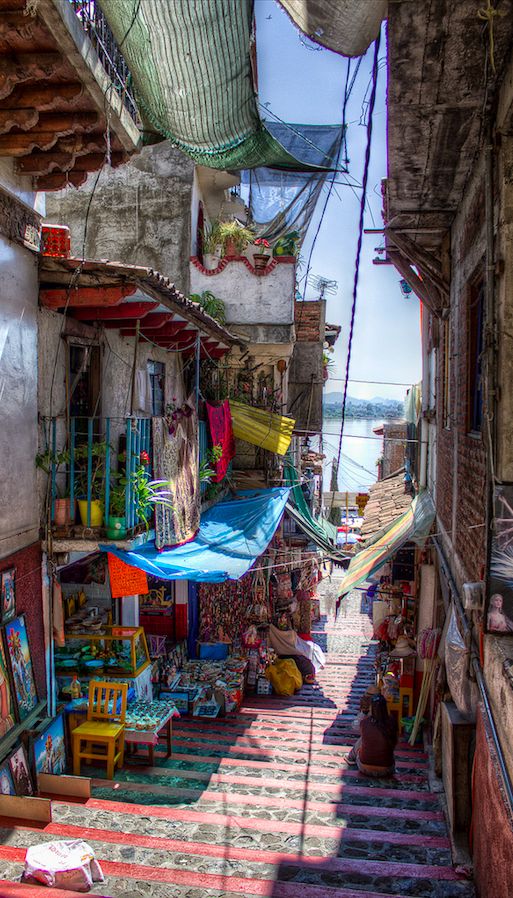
(176, 460)
(221, 431)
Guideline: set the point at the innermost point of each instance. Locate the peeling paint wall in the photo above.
(140, 213)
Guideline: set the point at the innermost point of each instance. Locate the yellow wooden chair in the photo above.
(104, 727)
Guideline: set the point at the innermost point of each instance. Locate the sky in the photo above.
(303, 83)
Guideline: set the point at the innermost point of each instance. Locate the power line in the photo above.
(363, 203)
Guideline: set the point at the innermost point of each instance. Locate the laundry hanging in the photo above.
(176, 461)
(266, 430)
(221, 431)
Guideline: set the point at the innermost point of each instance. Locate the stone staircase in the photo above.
(261, 804)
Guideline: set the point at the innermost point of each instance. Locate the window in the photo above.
(157, 375)
(475, 350)
(83, 380)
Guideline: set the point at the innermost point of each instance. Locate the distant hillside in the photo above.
(362, 408)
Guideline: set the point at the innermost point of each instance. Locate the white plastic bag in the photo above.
(63, 865)
(457, 660)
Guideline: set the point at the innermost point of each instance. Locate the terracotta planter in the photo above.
(230, 250)
(260, 261)
(63, 512)
(96, 512)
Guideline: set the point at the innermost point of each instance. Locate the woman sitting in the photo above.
(373, 753)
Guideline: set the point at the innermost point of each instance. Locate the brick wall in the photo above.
(393, 450)
(309, 318)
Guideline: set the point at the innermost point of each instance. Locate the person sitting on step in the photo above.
(373, 753)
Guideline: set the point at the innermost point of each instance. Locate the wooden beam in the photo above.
(430, 299)
(171, 329)
(50, 128)
(58, 180)
(84, 296)
(156, 321)
(182, 339)
(425, 261)
(20, 67)
(117, 313)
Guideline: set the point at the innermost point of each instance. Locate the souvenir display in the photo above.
(6, 702)
(206, 681)
(225, 605)
(19, 768)
(50, 748)
(118, 651)
(8, 604)
(6, 781)
(21, 666)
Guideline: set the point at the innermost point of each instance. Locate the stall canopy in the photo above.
(414, 524)
(320, 531)
(261, 428)
(232, 535)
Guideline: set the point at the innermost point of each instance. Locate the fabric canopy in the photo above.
(190, 61)
(260, 428)
(345, 26)
(320, 532)
(415, 523)
(232, 535)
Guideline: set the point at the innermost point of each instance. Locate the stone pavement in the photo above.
(261, 804)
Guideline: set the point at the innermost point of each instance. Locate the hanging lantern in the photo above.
(405, 287)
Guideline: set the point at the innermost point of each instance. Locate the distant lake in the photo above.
(357, 453)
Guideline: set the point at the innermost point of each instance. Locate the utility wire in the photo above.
(365, 178)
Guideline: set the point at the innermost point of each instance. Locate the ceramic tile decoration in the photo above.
(50, 748)
(18, 651)
(19, 767)
(8, 596)
(6, 781)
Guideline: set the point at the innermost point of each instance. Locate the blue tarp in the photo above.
(232, 535)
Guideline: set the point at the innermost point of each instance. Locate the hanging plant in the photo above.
(211, 304)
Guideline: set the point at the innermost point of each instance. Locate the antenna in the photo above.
(323, 285)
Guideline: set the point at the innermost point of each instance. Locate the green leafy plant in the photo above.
(149, 493)
(235, 232)
(117, 500)
(207, 467)
(288, 245)
(211, 238)
(211, 304)
(98, 452)
(45, 460)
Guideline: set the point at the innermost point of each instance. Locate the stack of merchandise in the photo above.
(213, 687)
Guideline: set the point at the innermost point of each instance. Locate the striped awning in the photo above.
(414, 524)
(261, 428)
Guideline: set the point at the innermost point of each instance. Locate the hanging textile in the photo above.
(263, 429)
(176, 460)
(225, 609)
(221, 431)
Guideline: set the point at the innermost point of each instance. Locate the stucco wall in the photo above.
(140, 213)
(492, 824)
(19, 521)
(250, 298)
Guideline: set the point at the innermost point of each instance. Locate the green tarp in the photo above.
(320, 532)
(190, 62)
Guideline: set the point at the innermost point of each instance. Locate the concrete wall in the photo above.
(19, 521)
(140, 213)
(251, 299)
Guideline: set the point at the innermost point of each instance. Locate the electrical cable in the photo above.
(365, 179)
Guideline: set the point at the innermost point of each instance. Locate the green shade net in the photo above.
(319, 531)
(191, 68)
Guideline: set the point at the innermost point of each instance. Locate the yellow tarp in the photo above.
(264, 429)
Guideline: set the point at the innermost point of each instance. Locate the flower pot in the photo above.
(210, 261)
(260, 261)
(63, 512)
(96, 512)
(230, 250)
(116, 527)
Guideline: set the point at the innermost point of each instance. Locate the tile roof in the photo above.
(387, 501)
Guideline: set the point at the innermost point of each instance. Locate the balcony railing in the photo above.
(83, 464)
(95, 25)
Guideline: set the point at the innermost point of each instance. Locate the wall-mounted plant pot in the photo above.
(64, 512)
(116, 527)
(210, 261)
(230, 250)
(96, 512)
(260, 261)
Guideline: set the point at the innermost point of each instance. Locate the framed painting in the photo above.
(18, 765)
(6, 781)
(8, 596)
(499, 607)
(50, 748)
(18, 651)
(7, 720)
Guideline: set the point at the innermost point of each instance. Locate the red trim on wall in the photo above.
(287, 260)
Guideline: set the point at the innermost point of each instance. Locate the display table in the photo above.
(144, 722)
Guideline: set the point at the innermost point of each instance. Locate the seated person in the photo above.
(373, 753)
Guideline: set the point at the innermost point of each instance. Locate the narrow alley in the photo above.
(261, 804)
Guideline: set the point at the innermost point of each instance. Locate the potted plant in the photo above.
(212, 246)
(287, 245)
(210, 304)
(235, 237)
(46, 461)
(262, 255)
(97, 483)
(116, 521)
